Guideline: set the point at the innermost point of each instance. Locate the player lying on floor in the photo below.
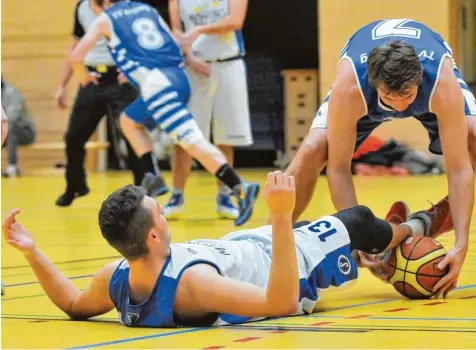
(225, 281)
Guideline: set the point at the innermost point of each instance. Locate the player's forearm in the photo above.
(342, 188)
(187, 51)
(222, 26)
(59, 289)
(67, 70)
(66, 74)
(283, 285)
(461, 197)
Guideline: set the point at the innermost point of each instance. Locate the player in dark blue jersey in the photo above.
(145, 51)
(392, 69)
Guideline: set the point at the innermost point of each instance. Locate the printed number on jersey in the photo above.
(395, 27)
(148, 35)
(323, 229)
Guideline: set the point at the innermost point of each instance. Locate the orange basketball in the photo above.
(412, 267)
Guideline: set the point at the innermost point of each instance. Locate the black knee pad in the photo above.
(367, 233)
(301, 224)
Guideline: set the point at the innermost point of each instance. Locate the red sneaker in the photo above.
(437, 219)
(398, 213)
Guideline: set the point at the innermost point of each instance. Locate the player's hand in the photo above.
(90, 78)
(374, 264)
(455, 259)
(60, 97)
(280, 193)
(16, 235)
(121, 79)
(187, 38)
(201, 68)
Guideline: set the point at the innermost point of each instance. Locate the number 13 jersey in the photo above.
(324, 260)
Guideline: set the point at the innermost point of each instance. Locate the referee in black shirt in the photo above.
(109, 96)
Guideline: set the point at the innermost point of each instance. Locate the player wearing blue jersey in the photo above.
(145, 51)
(392, 69)
(247, 275)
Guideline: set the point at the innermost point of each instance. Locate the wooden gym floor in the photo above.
(369, 315)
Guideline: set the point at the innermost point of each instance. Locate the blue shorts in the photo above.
(163, 103)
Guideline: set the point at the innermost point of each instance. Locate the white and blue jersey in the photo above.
(145, 51)
(141, 39)
(212, 47)
(431, 49)
(324, 260)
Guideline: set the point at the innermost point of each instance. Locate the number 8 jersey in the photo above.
(140, 38)
(429, 46)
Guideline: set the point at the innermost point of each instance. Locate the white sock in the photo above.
(178, 191)
(224, 191)
(417, 226)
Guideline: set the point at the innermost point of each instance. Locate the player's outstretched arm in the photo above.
(92, 301)
(345, 109)
(203, 290)
(100, 27)
(448, 105)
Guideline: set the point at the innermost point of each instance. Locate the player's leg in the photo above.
(200, 106)
(18, 136)
(312, 156)
(231, 121)
(306, 166)
(12, 149)
(215, 163)
(120, 96)
(86, 113)
(134, 123)
(373, 235)
(166, 95)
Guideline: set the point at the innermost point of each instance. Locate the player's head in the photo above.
(133, 223)
(100, 5)
(396, 72)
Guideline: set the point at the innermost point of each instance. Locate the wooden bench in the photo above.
(91, 145)
(44, 155)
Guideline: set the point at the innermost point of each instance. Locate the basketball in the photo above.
(412, 267)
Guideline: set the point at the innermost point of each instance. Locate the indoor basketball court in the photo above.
(370, 314)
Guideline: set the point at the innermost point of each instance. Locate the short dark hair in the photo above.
(125, 222)
(395, 66)
(101, 2)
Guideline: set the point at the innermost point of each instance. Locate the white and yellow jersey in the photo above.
(211, 47)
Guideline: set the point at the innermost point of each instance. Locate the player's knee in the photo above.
(472, 135)
(312, 153)
(366, 232)
(127, 122)
(201, 149)
(315, 144)
(362, 215)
